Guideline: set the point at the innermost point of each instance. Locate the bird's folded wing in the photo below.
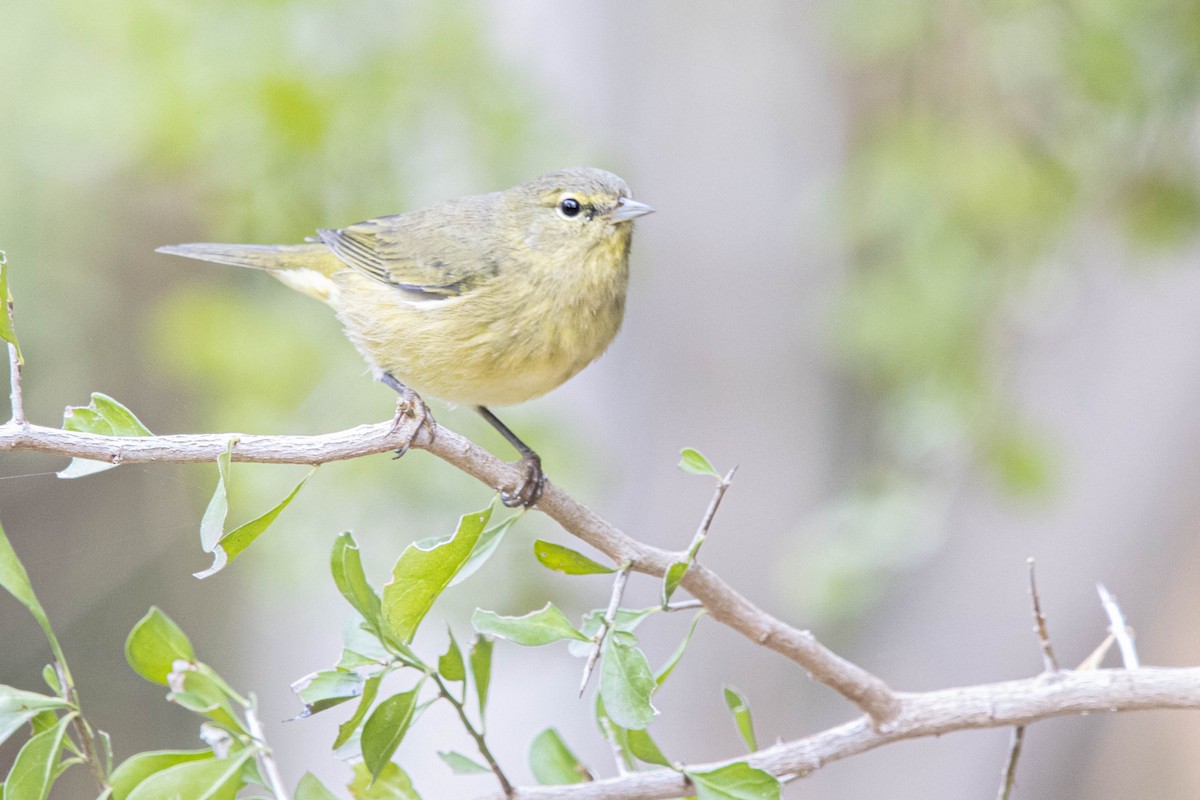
(401, 252)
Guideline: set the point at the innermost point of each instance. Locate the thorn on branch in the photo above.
(1049, 662)
(1121, 632)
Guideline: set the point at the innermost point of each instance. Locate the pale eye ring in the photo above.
(569, 207)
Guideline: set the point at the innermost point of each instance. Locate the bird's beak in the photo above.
(628, 209)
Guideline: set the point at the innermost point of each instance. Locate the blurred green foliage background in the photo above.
(969, 162)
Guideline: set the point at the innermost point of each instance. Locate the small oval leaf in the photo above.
(385, 729)
(460, 764)
(740, 710)
(138, 768)
(567, 561)
(208, 779)
(450, 664)
(737, 781)
(692, 461)
(155, 644)
(553, 763)
(534, 629)
(626, 683)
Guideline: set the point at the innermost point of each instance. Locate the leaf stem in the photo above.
(480, 742)
(82, 729)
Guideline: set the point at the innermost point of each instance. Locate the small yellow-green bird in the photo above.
(492, 299)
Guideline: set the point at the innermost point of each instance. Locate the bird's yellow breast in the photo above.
(502, 343)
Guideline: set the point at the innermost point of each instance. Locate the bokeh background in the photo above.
(926, 271)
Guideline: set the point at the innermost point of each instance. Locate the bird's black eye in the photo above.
(569, 207)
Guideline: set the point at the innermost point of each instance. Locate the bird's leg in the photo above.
(410, 405)
(534, 481)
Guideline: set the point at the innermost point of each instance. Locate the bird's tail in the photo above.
(304, 267)
(258, 256)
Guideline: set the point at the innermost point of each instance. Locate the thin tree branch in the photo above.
(480, 742)
(724, 604)
(615, 744)
(1008, 778)
(710, 513)
(606, 625)
(935, 713)
(683, 605)
(363, 440)
(265, 756)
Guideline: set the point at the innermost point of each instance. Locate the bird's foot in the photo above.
(533, 481)
(411, 406)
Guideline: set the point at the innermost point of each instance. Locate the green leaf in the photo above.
(363, 642)
(200, 690)
(347, 728)
(50, 678)
(104, 416)
(391, 784)
(691, 461)
(385, 729)
(488, 543)
(553, 763)
(567, 561)
(347, 568)
(421, 575)
(671, 579)
(310, 788)
(15, 580)
(644, 748)
(460, 764)
(7, 333)
(481, 670)
(532, 630)
(233, 543)
(18, 707)
(212, 524)
(326, 689)
(351, 749)
(626, 683)
(106, 750)
(738, 781)
(450, 663)
(740, 710)
(43, 721)
(665, 671)
(626, 619)
(135, 769)
(33, 770)
(203, 779)
(155, 644)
